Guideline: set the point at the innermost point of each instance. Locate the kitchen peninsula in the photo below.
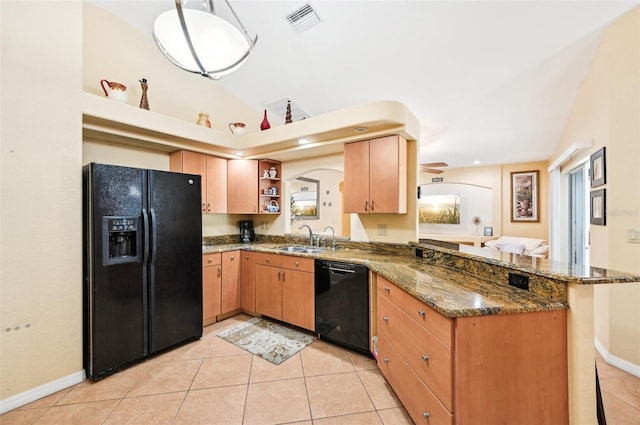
(497, 353)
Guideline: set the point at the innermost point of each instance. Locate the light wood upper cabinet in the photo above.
(242, 181)
(375, 176)
(230, 299)
(213, 171)
(216, 185)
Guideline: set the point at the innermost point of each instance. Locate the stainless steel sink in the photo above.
(304, 249)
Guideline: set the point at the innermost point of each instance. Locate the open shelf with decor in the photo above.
(269, 186)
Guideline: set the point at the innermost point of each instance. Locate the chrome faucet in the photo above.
(333, 237)
(310, 233)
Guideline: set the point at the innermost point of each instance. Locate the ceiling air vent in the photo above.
(303, 18)
(280, 107)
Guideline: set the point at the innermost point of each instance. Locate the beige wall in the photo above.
(41, 224)
(127, 55)
(607, 110)
(498, 178)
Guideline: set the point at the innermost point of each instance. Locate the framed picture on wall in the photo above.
(598, 168)
(599, 207)
(525, 197)
(488, 231)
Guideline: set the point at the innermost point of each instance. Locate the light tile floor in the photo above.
(620, 394)
(211, 381)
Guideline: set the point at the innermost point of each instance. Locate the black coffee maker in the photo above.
(247, 234)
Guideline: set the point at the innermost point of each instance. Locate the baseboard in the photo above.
(622, 364)
(41, 391)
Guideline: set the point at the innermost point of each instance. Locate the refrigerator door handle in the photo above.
(145, 248)
(154, 237)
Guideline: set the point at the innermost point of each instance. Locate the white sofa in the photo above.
(518, 245)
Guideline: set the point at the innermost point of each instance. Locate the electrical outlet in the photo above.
(382, 230)
(633, 235)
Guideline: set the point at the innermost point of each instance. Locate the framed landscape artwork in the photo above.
(598, 168)
(525, 197)
(598, 207)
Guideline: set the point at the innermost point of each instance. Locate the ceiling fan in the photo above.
(432, 167)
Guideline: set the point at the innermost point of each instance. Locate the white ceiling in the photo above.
(489, 81)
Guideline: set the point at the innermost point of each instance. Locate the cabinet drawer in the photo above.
(429, 358)
(298, 263)
(269, 259)
(433, 321)
(421, 404)
(211, 259)
(389, 290)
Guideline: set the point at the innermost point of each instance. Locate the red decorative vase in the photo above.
(265, 122)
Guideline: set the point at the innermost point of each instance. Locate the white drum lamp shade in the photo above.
(205, 44)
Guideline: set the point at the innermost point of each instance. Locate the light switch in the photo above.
(633, 235)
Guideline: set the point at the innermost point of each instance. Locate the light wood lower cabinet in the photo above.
(248, 279)
(285, 289)
(496, 369)
(298, 292)
(269, 285)
(211, 287)
(230, 298)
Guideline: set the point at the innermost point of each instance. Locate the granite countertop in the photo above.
(451, 292)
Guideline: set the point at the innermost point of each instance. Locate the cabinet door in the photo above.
(388, 175)
(242, 186)
(191, 163)
(211, 288)
(248, 287)
(298, 298)
(269, 291)
(230, 282)
(356, 177)
(216, 186)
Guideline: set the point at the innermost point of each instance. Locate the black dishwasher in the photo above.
(342, 304)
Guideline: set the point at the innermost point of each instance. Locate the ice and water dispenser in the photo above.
(121, 238)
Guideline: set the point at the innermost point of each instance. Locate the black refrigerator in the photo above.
(142, 264)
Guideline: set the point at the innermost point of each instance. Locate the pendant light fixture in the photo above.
(201, 42)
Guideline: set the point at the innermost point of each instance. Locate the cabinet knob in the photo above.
(283, 276)
(279, 275)
(387, 289)
(386, 360)
(267, 260)
(421, 313)
(366, 206)
(372, 205)
(210, 259)
(219, 271)
(425, 357)
(232, 257)
(425, 414)
(246, 257)
(203, 208)
(208, 207)
(297, 264)
(385, 318)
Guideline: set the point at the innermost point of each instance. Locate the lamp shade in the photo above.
(220, 47)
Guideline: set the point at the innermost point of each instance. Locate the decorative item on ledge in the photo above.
(144, 102)
(265, 122)
(115, 91)
(203, 119)
(237, 127)
(287, 118)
